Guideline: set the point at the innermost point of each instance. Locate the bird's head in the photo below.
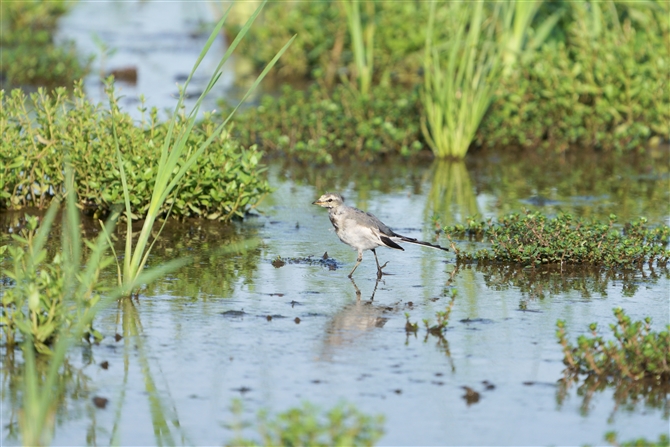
(329, 200)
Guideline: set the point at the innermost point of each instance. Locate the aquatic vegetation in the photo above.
(39, 282)
(663, 441)
(636, 364)
(636, 353)
(49, 309)
(604, 87)
(49, 293)
(442, 318)
(342, 425)
(319, 125)
(33, 150)
(324, 48)
(533, 239)
(585, 77)
(440, 326)
(29, 53)
(177, 157)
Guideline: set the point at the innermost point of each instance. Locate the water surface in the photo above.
(200, 338)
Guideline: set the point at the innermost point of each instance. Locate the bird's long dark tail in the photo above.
(411, 240)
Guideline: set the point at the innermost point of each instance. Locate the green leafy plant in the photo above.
(325, 50)
(603, 87)
(40, 131)
(442, 318)
(343, 425)
(663, 441)
(38, 282)
(533, 239)
(29, 54)
(636, 352)
(460, 81)
(319, 126)
(635, 364)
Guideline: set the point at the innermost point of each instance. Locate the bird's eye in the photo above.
(330, 200)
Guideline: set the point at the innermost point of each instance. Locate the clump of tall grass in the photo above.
(463, 73)
(362, 42)
(460, 77)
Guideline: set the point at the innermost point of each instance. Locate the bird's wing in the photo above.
(372, 221)
(377, 227)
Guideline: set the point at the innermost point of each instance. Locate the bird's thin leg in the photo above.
(379, 269)
(358, 291)
(358, 261)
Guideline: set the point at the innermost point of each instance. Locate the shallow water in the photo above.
(204, 339)
(159, 40)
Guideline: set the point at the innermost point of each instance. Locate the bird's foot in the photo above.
(380, 272)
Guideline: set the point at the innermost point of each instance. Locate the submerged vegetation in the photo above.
(533, 239)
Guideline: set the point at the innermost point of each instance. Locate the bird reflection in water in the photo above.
(353, 322)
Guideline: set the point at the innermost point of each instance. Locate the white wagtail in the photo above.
(363, 231)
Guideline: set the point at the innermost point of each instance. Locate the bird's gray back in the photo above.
(340, 215)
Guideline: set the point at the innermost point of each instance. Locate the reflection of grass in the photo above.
(164, 420)
(73, 383)
(552, 280)
(43, 390)
(452, 196)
